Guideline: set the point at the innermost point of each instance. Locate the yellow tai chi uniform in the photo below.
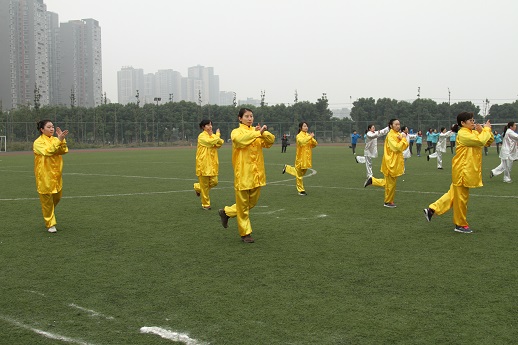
(466, 173)
(303, 158)
(48, 170)
(249, 172)
(207, 165)
(392, 165)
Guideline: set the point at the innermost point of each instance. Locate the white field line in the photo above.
(92, 313)
(44, 333)
(36, 293)
(277, 183)
(170, 335)
(270, 212)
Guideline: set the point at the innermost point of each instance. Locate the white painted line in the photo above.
(92, 313)
(36, 293)
(44, 333)
(170, 335)
(270, 212)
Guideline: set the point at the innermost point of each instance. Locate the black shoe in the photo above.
(303, 193)
(427, 158)
(491, 175)
(463, 229)
(284, 169)
(247, 239)
(368, 182)
(390, 205)
(439, 168)
(224, 218)
(428, 213)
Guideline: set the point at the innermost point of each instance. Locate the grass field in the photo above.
(134, 249)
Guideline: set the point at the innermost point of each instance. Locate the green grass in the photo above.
(334, 267)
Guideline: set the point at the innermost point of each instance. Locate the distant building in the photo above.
(129, 80)
(201, 86)
(226, 98)
(24, 52)
(343, 113)
(39, 56)
(250, 101)
(81, 62)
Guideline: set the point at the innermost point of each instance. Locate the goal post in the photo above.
(3, 143)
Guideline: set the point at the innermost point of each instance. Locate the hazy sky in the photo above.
(344, 48)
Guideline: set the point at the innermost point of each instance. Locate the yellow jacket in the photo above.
(393, 163)
(48, 163)
(207, 163)
(247, 156)
(466, 165)
(305, 145)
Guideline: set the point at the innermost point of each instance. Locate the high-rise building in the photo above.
(81, 62)
(54, 58)
(24, 60)
(168, 85)
(205, 84)
(129, 80)
(43, 62)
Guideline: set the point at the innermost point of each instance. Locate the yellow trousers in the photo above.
(245, 201)
(458, 197)
(389, 183)
(48, 205)
(298, 173)
(205, 183)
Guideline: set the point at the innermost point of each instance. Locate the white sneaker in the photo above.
(52, 229)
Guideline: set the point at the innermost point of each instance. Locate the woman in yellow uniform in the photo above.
(305, 144)
(207, 163)
(466, 170)
(393, 163)
(48, 169)
(249, 174)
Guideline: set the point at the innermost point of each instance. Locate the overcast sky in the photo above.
(347, 49)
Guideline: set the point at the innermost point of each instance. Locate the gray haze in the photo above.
(346, 49)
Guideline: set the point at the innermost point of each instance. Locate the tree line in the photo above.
(177, 122)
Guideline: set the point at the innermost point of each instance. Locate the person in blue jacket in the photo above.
(354, 139)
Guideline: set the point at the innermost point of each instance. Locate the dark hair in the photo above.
(204, 122)
(462, 117)
(403, 128)
(370, 126)
(242, 112)
(391, 121)
(302, 124)
(442, 129)
(41, 124)
(509, 125)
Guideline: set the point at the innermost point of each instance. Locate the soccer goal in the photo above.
(3, 143)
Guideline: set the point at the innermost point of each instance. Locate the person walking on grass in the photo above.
(498, 140)
(371, 147)
(441, 147)
(284, 143)
(303, 156)
(354, 139)
(508, 153)
(466, 170)
(249, 173)
(207, 162)
(48, 169)
(419, 142)
(393, 163)
(453, 138)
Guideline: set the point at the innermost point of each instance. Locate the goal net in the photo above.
(3, 143)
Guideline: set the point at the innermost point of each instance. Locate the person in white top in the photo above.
(508, 152)
(371, 147)
(441, 147)
(409, 136)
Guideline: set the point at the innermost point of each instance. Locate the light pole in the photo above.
(156, 99)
